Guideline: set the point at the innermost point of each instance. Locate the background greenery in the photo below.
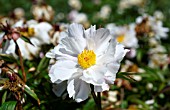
(40, 82)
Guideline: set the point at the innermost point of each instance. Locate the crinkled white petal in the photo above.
(60, 53)
(62, 70)
(78, 89)
(120, 52)
(103, 87)
(101, 39)
(76, 32)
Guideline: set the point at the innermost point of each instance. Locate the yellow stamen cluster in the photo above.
(120, 38)
(29, 33)
(87, 59)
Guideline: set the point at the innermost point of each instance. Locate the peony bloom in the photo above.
(85, 57)
(124, 34)
(153, 26)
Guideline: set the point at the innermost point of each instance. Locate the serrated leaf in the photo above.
(10, 105)
(26, 40)
(31, 93)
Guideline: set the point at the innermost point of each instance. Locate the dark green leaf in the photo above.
(10, 105)
(126, 77)
(31, 93)
(27, 40)
(42, 65)
(90, 105)
(8, 58)
(4, 97)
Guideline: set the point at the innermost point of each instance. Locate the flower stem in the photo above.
(97, 100)
(21, 62)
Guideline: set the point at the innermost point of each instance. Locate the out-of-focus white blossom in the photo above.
(75, 4)
(112, 96)
(38, 36)
(155, 25)
(159, 15)
(124, 4)
(104, 12)
(158, 58)
(42, 12)
(149, 86)
(76, 17)
(19, 13)
(124, 34)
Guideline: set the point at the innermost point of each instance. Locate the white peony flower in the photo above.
(105, 12)
(125, 4)
(85, 57)
(158, 57)
(76, 17)
(124, 34)
(156, 26)
(38, 35)
(75, 4)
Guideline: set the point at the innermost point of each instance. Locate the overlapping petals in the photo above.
(108, 53)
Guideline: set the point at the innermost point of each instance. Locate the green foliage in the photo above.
(10, 105)
(38, 94)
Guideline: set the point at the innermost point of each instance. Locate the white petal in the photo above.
(58, 89)
(120, 52)
(78, 89)
(60, 53)
(94, 75)
(89, 33)
(50, 54)
(76, 32)
(109, 55)
(62, 70)
(70, 88)
(103, 87)
(101, 39)
(110, 76)
(44, 26)
(72, 45)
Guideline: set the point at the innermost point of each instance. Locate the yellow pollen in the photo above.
(120, 38)
(87, 59)
(29, 33)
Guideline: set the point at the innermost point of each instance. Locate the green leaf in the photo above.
(31, 93)
(126, 77)
(42, 65)
(27, 40)
(90, 105)
(4, 97)
(8, 58)
(144, 105)
(10, 105)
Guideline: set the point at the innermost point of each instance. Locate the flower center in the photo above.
(120, 38)
(87, 59)
(29, 33)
